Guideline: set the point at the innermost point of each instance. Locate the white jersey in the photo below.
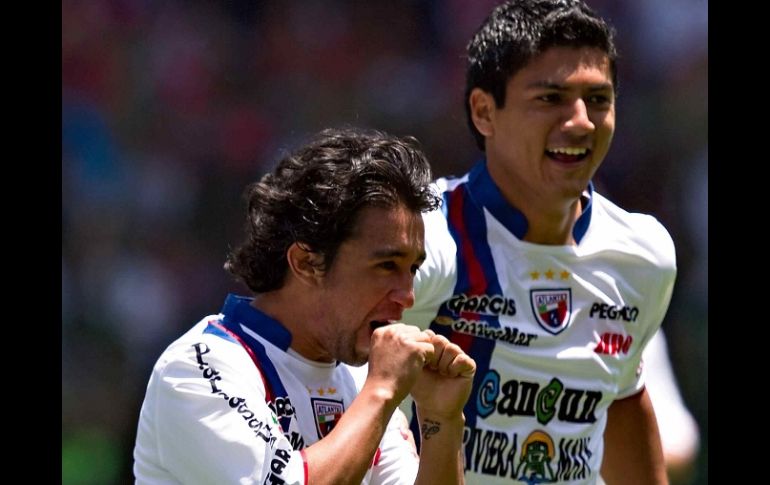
(557, 332)
(229, 402)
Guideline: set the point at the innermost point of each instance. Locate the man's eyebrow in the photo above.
(600, 87)
(561, 87)
(394, 253)
(546, 85)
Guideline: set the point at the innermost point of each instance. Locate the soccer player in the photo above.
(268, 390)
(553, 289)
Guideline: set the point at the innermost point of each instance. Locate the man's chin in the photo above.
(360, 358)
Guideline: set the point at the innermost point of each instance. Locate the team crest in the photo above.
(327, 413)
(552, 308)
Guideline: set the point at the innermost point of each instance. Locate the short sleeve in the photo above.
(396, 462)
(205, 421)
(660, 291)
(435, 279)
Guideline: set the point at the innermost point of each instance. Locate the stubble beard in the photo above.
(347, 352)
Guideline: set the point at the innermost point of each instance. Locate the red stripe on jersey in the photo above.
(304, 464)
(268, 389)
(477, 280)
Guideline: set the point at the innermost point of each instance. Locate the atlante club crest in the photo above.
(327, 414)
(552, 308)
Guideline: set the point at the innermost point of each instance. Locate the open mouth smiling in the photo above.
(568, 154)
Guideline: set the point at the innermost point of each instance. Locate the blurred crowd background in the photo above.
(170, 108)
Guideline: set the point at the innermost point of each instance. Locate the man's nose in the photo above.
(404, 293)
(578, 122)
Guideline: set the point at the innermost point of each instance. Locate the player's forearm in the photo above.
(632, 450)
(345, 454)
(441, 459)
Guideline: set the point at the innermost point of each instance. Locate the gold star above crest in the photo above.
(550, 274)
(321, 391)
(332, 390)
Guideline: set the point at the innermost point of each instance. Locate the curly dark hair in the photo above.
(517, 31)
(314, 194)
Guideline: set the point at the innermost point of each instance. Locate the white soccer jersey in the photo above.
(229, 402)
(557, 332)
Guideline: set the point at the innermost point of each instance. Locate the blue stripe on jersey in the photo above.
(469, 233)
(581, 225)
(476, 275)
(486, 194)
(238, 311)
(214, 330)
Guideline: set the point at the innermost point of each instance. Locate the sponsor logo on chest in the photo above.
(605, 311)
(614, 344)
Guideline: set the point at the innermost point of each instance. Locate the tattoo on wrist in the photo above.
(429, 428)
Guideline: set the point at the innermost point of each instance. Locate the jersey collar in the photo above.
(238, 310)
(485, 193)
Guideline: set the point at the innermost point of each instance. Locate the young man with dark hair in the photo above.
(550, 287)
(267, 391)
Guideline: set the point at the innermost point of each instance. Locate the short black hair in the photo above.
(517, 31)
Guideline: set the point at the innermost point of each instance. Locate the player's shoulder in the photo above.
(437, 236)
(449, 183)
(436, 220)
(203, 346)
(634, 232)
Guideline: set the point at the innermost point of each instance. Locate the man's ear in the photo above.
(482, 108)
(305, 265)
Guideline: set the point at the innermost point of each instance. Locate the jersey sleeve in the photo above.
(659, 291)
(213, 425)
(435, 279)
(396, 461)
